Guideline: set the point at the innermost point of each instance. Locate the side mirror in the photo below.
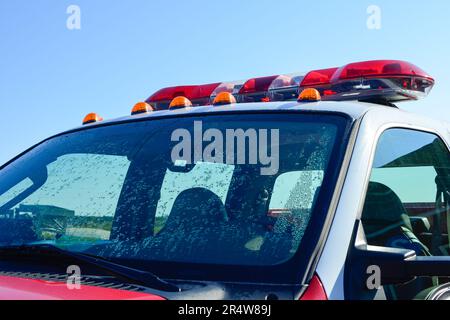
(368, 265)
(388, 264)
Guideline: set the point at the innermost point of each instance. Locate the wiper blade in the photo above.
(131, 275)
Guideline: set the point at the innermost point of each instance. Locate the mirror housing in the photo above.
(390, 261)
(395, 266)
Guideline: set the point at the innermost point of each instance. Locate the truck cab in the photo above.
(313, 186)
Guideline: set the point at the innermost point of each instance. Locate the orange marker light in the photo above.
(224, 98)
(309, 95)
(141, 107)
(91, 118)
(180, 102)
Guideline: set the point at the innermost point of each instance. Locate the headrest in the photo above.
(383, 206)
(197, 205)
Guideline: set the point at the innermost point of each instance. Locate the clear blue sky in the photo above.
(50, 77)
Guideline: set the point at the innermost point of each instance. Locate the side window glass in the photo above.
(296, 190)
(75, 201)
(407, 203)
(293, 197)
(15, 191)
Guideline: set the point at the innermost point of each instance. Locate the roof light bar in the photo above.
(381, 81)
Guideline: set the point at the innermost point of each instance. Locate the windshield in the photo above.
(218, 189)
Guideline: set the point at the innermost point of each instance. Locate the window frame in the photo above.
(358, 237)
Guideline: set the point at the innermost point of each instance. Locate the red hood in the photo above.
(30, 289)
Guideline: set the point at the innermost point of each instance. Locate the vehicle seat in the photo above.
(197, 220)
(386, 221)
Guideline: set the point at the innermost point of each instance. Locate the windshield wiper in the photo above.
(131, 275)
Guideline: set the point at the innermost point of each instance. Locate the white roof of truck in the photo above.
(354, 109)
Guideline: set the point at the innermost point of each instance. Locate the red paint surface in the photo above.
(315, 290)
(30, 289)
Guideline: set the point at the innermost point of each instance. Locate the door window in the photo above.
(407, 200)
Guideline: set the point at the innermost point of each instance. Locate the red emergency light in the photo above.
(382, 81)
(256, 89)
(197, 94)
(379, 68)
(318, 77)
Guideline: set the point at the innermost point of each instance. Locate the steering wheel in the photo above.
(441, 292)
